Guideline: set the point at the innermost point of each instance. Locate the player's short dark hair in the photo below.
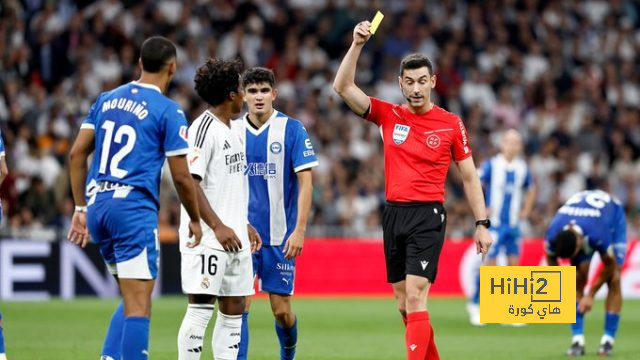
(565, 243)
(217, 79)
(258, 75)
(156, 52)
(416, 61)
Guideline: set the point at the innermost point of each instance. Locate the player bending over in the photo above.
(591, 221)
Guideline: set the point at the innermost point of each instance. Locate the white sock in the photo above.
(579, 339)
(3, 356)
(226, 337)
(607, 338)
(192, 329)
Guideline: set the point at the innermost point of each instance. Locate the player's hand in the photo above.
(254, 239)
(585, 304)
(293, 246)
(194, 231)
(227, 238)
(483, 240)
(361, 33)
(78, 233)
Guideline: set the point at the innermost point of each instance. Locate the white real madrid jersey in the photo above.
(217, 157)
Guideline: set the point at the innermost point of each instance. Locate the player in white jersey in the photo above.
(510, 195)
(220, 268)
(279, 162)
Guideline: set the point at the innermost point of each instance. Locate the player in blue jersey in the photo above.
(279, 162)
(591, 221)
(131, 130)
(4, 171)
(510, 195)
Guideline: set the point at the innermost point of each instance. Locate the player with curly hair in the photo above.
(221, 267)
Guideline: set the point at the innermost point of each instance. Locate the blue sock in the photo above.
(113, 341)
(1, 336)
(135, 338)
(475, 299)
(288, 339)
(611, 321)
(577, 328)
(244, 337)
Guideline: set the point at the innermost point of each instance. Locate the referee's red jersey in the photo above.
(418, 150)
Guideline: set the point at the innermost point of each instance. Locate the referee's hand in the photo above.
(361, 33)
(483, 240)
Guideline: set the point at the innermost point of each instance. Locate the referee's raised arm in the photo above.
(344, 83)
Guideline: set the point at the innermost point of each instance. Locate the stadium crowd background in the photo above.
(564, 73)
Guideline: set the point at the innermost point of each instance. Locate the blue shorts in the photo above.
(276, 273)
(125, 230)
(507, 238)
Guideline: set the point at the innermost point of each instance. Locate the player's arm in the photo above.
(293, 246)
(224, 234)
(187, 193)
(610, 275)
(529, 201)
(552, 260)
(78, 156)
(4, 170)
(473, 191)
(344, 83)
(530, 197)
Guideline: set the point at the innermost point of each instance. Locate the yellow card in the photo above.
(376, 22)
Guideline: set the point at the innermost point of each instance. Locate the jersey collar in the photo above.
(148, 86)
(259, 131)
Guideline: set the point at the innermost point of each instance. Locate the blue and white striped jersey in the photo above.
(505, 184)
(275, 153)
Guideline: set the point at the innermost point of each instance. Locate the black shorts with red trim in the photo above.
(413, 238)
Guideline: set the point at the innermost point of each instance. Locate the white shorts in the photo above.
(217, 272)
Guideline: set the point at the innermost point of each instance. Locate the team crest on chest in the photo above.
(433, 141)
(275, 147)
(400, 133)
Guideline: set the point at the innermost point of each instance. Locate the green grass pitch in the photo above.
(329, 328)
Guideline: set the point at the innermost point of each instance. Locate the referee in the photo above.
(420, 139)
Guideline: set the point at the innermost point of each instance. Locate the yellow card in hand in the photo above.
(376, 22)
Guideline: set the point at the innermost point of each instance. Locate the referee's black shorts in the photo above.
(413, 237)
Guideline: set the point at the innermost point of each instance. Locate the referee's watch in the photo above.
(484, 222)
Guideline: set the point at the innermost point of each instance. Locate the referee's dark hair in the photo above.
(415, 61)
(258, 75)
(156, 53)
(217, 79)
(565, 243)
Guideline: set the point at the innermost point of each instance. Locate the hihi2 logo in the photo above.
(527, 294)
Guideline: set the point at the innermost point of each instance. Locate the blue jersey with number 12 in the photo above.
(136, 127)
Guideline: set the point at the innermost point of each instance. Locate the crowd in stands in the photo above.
(565, 73)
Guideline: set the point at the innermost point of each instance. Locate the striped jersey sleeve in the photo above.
(201, 146)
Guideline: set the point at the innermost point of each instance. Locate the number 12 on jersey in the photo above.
(122, 131)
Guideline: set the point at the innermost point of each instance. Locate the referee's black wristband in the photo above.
(484, 222)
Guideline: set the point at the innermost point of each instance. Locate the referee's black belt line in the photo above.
(412, 203)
